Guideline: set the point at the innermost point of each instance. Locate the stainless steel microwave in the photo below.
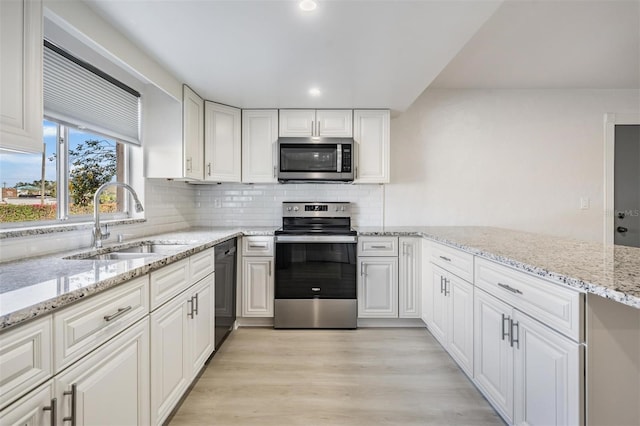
(315, 160)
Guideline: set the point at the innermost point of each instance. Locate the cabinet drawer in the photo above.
(558, 307)
(25, 358)
(378, 246)
(202, 264)
(86, 325)
(453, 260)
(169, 281)
(257, 246)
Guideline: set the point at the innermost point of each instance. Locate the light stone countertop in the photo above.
(39, 285)
(612, 272)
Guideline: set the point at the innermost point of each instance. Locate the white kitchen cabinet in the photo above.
(222, 143)
(378, 287)
(259, 143)
(192, 134)
(170, 370)
(371, 132)
(37, 408)
(493, 358)
(530, 373)
(182, 339)
(203, 327)
(452, 322)
(319, 123)
(111, 385)
(21, 111)
(409, 278)
(26, 358)
(257, 286)
(548, 375)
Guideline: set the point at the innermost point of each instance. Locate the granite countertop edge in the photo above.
(557, 278)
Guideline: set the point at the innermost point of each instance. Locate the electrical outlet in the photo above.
(217, 203)
(584, 203)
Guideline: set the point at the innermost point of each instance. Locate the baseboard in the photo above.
(391, 322)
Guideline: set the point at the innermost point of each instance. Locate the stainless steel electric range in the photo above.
(315, 276)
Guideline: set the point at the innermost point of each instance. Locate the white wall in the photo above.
(261, 205)
(519, 159)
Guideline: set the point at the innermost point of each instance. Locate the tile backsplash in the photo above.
(261, 204)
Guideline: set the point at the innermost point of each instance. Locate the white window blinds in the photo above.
(78, 93)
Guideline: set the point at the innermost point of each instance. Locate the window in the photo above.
(59, 185)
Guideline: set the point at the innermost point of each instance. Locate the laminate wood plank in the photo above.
(370, 376)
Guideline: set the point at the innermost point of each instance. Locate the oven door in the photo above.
(315, 267)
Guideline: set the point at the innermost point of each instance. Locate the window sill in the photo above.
(63, 227)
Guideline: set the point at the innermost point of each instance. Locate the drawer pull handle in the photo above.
(121, 311)
(54, 411)
(73, 394)
(379, 247)
(445, 258)
(253, 245)
(511, 289)
(315, 289)
(506, 332)
(516, 340)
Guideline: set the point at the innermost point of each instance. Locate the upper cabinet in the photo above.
(222, 160)
(192, 134)
(259, 139)
(319, 123)
(21, 75)
(372, 137)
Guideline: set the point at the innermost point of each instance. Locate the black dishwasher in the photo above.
(225, 293)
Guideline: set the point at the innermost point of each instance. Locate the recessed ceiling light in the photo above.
(314, 91)
(308, 5)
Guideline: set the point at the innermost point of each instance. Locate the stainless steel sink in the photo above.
(132, 251)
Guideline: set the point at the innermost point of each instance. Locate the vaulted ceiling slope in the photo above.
(254, 54)
(552, 44)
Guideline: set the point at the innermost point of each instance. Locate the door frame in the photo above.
(611, 120)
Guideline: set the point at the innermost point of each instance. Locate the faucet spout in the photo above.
(98, 234)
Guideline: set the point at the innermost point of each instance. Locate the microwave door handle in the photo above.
(339, 158)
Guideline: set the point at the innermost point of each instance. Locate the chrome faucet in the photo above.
(98, 234)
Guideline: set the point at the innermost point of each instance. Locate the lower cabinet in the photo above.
(37, 408)
(257, 286)
(530, 373)
(452, 316)
(109, 386)
(182, 338)
(378, 287)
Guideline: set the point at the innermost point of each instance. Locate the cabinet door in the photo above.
(409, 281)
(192, 134)
(170, 358)
(202, 323)
(297, 123)
(493, 357)
(378, 287)
(111, 384)
(460, 331)
(548, 375)
(33, 409)
(334, 123)
(257, 287)
(221, 143)
(372, 136)
(259, 141)
(21, 75)
(439, 305)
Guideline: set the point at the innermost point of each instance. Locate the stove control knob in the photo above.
(295, 209)
(289, 208)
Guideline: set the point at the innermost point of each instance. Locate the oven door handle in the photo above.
(316, 239)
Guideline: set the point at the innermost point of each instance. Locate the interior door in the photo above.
(627, 185)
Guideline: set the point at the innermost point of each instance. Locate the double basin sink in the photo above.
(132, 251)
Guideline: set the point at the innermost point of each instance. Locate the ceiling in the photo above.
(381, 53)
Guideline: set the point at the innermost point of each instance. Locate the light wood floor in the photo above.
(369, 376)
